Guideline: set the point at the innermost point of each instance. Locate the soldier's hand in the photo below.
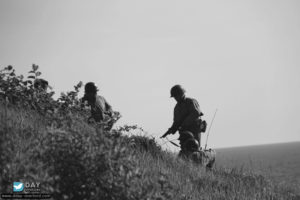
(109, 113)
(165, 135)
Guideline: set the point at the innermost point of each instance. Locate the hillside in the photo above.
(76, 160)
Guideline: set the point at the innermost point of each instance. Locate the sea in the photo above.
(278, 162)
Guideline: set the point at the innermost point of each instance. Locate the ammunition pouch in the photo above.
(203, 126)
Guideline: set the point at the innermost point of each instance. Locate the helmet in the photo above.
(191, 145)
(40, 84)
(177, 90)
(90, 87)
(185, 135)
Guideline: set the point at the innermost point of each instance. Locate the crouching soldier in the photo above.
(100, 108)
(190, 150)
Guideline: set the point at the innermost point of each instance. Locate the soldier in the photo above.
(188, 144)
(99, 106)
(190, 150)
(41, 84)
(187, 114)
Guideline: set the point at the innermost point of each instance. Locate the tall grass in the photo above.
(75, 160)
(48, 141)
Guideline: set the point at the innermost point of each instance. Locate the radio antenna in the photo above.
(210, 128)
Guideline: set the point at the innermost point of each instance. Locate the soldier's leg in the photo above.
(182, 154)
(197, 134)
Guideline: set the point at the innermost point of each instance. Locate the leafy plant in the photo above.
(50, 141)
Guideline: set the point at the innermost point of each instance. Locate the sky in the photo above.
(240, 57)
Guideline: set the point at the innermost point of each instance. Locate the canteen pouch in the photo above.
(203, 126)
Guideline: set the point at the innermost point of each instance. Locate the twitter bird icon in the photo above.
(18, 187)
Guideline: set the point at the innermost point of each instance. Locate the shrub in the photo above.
(50, 141)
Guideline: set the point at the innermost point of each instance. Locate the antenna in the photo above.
(210, 128)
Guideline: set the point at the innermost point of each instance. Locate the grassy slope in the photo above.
(74, 160)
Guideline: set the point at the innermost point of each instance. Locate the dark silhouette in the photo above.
(41, 84)
(100, 108)
(187, 121)
(190, 150)
(187, 114)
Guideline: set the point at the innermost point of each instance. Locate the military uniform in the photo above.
(190, 150)
(206, 158)
(187, 115)
(99, 108)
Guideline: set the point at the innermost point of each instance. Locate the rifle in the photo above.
(171, 141)
(167, 133)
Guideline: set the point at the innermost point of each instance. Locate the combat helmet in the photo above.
(191, 145)
(177, 90)
(40, 84)
(90, 87)
(187, 141)
(185, 135)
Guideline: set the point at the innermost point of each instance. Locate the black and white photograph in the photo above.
(150, 100)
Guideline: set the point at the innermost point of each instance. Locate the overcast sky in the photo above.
(242, 57)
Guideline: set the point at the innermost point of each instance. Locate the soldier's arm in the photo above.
(108, 107)
(175, 126)
(194, 113)
(177, 121)
(83, 101)
(166, 134)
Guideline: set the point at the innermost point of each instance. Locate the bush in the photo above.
(49, 141)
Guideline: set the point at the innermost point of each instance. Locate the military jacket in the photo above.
(187, 115)
(99, 108)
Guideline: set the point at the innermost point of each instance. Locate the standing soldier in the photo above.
(187, 114)
(99, 106)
